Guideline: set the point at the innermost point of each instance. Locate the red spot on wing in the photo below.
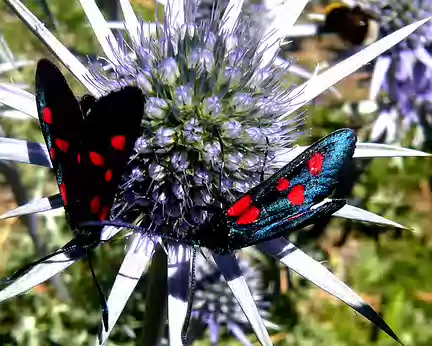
(95, 204)
(315, 164)
(249, 216)
(240, 206)
(283, 184)
(118, 142)
(104, 213)
(63, 194)
(108, 175)
(97, 159)
(62, 144)
(52, 153)
(79, 158)
(47, 115)
(296, 195)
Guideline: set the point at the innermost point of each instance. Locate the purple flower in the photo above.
(202, 59)
(212, 105)
(188, 161)
(232, 128)
(169, 71)
(404, 73)
(215, 306)
(155, 108)
(193, 132)
(183, 96)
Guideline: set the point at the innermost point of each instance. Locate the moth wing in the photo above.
(61, 122)
(290, 198)
(112, 126)
(277, 225)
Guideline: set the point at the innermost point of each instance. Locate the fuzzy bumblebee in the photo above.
(352, 24)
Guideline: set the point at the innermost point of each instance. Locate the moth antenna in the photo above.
(28, 267)
(102, 300)
(20, 272)
(265, 161)
(117, 223)
(192, 287)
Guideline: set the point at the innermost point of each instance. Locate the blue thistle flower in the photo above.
(395, 14)
(215, 306)
(404, 73)
(204, 80)
(199, 87)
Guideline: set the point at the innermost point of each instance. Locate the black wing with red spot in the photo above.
(89, 142)
(111, 128)
(290, 199)
(61, 122)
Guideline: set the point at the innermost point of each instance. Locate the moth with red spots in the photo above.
(290, 199)
(89, 142)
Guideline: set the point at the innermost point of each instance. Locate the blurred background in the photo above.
(391, 269)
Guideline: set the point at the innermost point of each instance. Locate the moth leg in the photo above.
(102, 300)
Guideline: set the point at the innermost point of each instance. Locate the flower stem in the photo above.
(156, 301)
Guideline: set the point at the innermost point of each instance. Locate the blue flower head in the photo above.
(212, 91)
(403, 73)
(208, 93)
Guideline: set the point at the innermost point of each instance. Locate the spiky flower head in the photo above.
(215, 306)
(395, 14)
(212, 114)
(210, 88)
(403, 73)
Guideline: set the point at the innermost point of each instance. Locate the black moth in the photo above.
(89, 142)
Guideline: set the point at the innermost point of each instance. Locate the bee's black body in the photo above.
(353, 24)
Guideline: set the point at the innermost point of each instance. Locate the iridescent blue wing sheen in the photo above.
(291, 198)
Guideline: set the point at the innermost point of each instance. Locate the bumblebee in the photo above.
(352, 24)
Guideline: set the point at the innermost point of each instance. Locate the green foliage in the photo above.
(391, 269)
